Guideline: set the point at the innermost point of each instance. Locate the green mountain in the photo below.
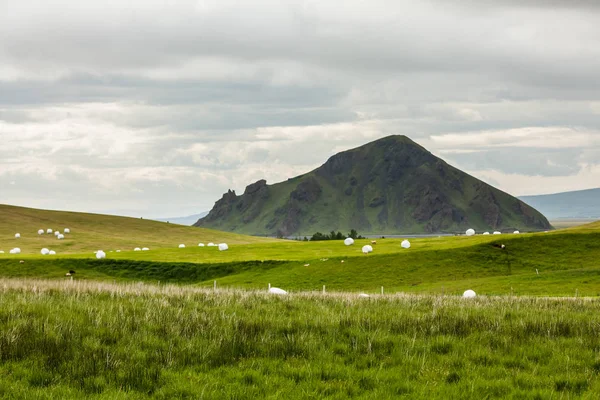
(389, 186)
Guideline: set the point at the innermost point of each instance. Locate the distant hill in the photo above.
(91, 232)
(188, 221)
(389, 186)
(577, 204)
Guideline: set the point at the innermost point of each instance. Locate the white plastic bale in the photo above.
(137, 249)
(211, 244)
(516, 232)
(45, 251)
(100, 254)
(48, 230)
(145, 249)
(367, 249)
(16, 250)
(486, 233)
(470, 232)
(223, 247)
(469, 294)
(275, 290)
(56, 233)
(52, 253)
(497, 233)
(41, 232)
(118, 251)
(17, 235)
(1, 252)
(200, 244)
(363, 295)
(349, 241)
(67, 230)
(182, 246)
(405, 244)
(60, 237)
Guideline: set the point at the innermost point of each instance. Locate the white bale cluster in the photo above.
(16, 250)
(223, 247)
(45, 251)
(137, 249)
(469, 294)
(516, 232)
(145, 249)
(349, 241)
(200, 244)
(182, 246)
(60, 237)
(48, 231)
(405, 244)
(41, 232)
(470, 232)
(17, 235)
(497, 233)
(367, 249)
(100, 254)
(275, 290)
(67, 230)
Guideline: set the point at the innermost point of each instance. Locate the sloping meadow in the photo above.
(88, 339)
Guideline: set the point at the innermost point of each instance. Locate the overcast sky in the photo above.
(155, 108)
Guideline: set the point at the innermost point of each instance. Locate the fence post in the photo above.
(382, 290)
(323, 289)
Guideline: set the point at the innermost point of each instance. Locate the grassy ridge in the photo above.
(92, 232)
(64, 340)
(531, 264)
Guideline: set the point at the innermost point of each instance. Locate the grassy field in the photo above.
(99, 340)
(558, 263)
(91, 232)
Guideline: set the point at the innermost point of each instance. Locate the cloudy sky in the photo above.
(155, 108)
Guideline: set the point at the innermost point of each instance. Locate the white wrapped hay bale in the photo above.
(405, 244)
(48, 231)
(17, 235)
(145, 249)
(497, 233)
(200, 244)
(275, 290)
(486, 233)
(367, 249)
(182, 246)
(363, 295)
(137, 249)
(349, 241)
(211, 244)
(45, 251)
(41, 232)
(516, 232)
(470, 232)
(1, 252)
(469, 294)
(100, 255)
(223, 247)
(56, 233)
(16, 250)
(60, 237)
(52, 253)
(67, 230)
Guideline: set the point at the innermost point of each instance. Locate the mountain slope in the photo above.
(90, 232)
(577, 204)
(389, 186)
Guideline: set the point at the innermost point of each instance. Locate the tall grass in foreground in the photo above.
(100, 340)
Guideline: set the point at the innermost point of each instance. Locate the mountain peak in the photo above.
(389, 186)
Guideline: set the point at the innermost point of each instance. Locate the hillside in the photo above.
(389, 186)
(90, 232)
(577, 204)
